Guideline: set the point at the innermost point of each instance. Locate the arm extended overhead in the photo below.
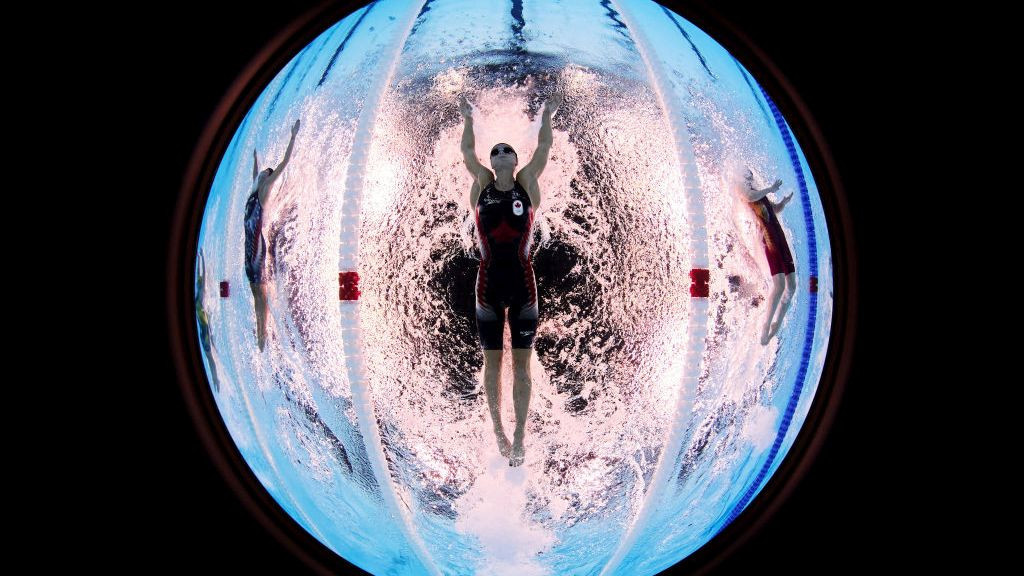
(468, 145)
(287, 156)
(544, 140)
(782, 203)
(754, 195)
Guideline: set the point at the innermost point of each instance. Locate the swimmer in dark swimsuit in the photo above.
(204, 320)
(504, 207)
(776, 249)
(255, 245)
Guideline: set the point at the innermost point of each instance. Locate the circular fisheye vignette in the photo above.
(758, 499)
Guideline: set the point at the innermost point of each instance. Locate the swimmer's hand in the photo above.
(777, 185)
(295, 127)
(782, 203)
(464, 108)
(553, 103)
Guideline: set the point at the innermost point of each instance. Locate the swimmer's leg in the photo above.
(787, 299)
(778, 283)
(521, 391)
(213, 369)
(492, 389)
(207, 343)
(260, 298)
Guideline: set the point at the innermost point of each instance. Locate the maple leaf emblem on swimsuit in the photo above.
(504, 233)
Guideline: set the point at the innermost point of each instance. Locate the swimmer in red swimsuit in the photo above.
(776, 249)
(504, 207)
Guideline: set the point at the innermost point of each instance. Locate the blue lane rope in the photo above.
(812, 248)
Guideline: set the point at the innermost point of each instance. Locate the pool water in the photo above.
(655, 417)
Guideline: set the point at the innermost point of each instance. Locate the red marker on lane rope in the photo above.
(699, 278)
(348, 286)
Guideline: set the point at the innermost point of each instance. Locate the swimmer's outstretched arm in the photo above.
(755, 195)
(481, 175)
(255, 165)
(469, 141)
(544, 140)
(778, 206)
(287, 156)
(200, 282)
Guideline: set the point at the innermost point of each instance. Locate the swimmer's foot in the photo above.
(775, 329)
(503, 444)
(518, 454)
(766, 335)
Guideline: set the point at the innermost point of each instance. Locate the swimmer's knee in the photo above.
(522, 372)
(492, 357)
(521, 357)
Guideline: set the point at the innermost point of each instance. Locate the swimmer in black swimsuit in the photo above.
(204, 320)
(776, 249)
(255, 245)
(504, 207)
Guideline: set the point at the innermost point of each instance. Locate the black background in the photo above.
(849, 512)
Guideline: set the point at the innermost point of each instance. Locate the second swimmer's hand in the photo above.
(464, 108)
(553, 103)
